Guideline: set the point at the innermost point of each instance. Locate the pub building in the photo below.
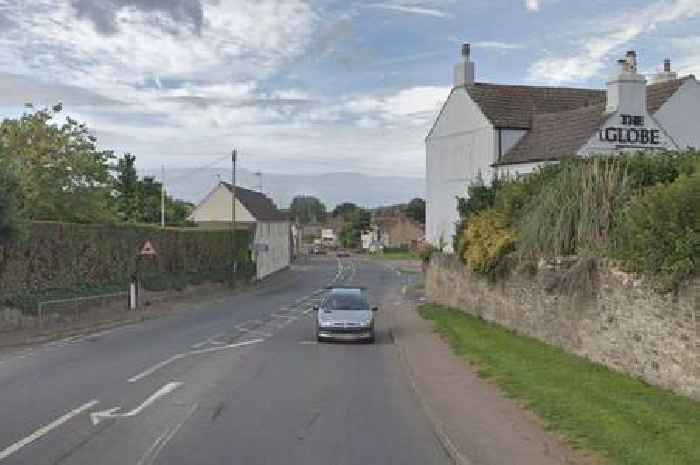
(486, 129)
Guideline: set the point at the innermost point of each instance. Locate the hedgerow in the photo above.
(60, 258)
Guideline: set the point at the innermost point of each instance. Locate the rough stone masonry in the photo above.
(624, 325)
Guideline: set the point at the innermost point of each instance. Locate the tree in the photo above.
(416, 210)
(139, 200)
(307, 209)
(12, 223)
(358, 220)
(344, 210)
(63, 175)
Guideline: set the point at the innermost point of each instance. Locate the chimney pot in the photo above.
(466, 49)
(667, 65)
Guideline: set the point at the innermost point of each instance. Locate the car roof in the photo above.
(333, 288)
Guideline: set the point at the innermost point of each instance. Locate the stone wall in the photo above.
(621, 323)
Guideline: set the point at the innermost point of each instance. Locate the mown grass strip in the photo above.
(622, 418)
(395, 255)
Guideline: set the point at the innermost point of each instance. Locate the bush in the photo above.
(573, 213)
(486, 240)
(646, 169)
(659, 231)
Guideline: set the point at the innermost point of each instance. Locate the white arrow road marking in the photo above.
(165, 362)
(97, 417)
(45, 429)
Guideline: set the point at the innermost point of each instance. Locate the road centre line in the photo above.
(45, 429)
(167, 361)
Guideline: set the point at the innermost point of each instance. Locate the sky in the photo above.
(308, 86)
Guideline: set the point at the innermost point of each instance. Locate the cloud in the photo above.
(498, 45)
(608, 36)
(105, 14)
(19, 90)
(688, 49)
(411, 8)
(532, 5)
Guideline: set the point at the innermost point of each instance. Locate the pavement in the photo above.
(241, 379)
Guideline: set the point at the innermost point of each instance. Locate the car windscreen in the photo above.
(347, 299)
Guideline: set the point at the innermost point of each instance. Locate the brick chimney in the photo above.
(464, 71)
(627, 92)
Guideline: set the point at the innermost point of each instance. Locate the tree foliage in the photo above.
(416, 210)
(12, 223)
(344, 210)
(138, 200)
(358, 220)
(64, 176)
(307, 209)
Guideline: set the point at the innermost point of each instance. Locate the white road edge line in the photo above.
(45, 429)
(169, 435)
(165, 362)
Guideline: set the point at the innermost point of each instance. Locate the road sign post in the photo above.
(147, 250)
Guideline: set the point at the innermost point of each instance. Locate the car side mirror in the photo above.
(374, 309)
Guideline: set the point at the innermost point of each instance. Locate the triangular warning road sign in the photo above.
(147, 249)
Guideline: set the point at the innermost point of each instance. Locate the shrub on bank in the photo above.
(659, 230)
(641, 209)
(486, 239)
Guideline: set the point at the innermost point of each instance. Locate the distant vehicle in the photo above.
(345, 315)
(317, 250)
(342, 253)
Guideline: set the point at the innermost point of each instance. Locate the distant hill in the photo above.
(331, 188)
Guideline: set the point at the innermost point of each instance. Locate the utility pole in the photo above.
(234, 157)
(162, 196)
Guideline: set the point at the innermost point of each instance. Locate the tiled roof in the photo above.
(508, 106)
(556, 135)
(259, 205)
(658, 94)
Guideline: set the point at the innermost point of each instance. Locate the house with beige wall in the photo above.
(254, 211)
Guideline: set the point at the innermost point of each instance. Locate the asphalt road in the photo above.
(240, 380)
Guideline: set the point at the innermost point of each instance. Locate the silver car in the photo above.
(345, 315)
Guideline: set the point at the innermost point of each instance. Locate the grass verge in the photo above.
(622, 418)
(395, 255)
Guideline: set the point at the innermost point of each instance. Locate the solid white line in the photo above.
(160, 365)
(209, 340)
(254, 332)
(45, 429)
(170, 434)
(142, 461)
(154, 368)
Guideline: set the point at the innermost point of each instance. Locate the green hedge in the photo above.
(61, 260)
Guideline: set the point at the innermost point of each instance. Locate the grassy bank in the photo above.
(622, 418)
(395, 255)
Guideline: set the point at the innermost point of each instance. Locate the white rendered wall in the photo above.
(680, 115)
(275, 234)
(461, 146)
(519, 169)
(595, 145)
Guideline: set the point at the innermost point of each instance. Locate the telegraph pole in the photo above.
(234, 157)
(162, 196)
